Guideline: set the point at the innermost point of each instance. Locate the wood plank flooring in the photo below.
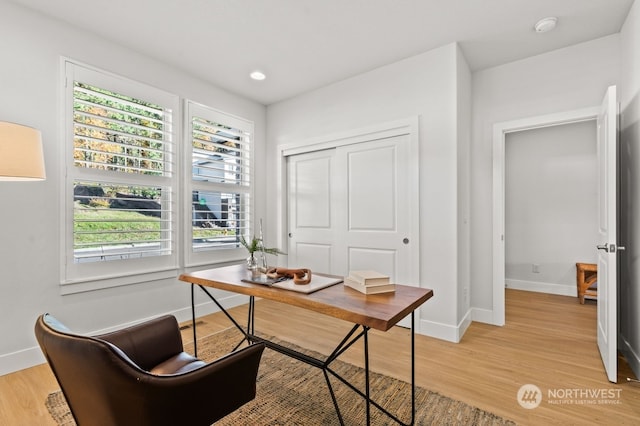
(548, 341)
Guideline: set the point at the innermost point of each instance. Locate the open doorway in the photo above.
(607, 131)
(551, 206)
(500, 132)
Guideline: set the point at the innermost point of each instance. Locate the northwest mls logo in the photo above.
(529, 396)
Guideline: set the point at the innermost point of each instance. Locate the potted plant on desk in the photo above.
(256, 245)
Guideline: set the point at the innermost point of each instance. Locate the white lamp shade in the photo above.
(21, 156)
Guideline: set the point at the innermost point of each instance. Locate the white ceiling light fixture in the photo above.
(258, 75)
(546, 24)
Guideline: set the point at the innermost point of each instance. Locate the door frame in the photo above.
(500, 131)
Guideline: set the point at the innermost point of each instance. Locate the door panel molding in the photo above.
(361, 184)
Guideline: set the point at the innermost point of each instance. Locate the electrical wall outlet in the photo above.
(535, 268)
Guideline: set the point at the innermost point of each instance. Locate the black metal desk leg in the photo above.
(413, 369)
(366, 373)
(193, 321)
(251, 315)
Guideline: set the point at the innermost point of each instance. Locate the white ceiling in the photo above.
(305, 44)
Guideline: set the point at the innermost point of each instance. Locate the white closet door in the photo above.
(375, 204)
(352, 208)
(311, 211)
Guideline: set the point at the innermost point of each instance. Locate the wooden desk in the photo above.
(377, 311)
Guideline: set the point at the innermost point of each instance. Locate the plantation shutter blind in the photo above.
(120, 180)
(123, 135)
(221, 173)
(113, 132)
(220, 153)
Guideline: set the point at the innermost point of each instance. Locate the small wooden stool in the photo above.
(586, 276)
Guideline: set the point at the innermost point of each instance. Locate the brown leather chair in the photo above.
(141, 375)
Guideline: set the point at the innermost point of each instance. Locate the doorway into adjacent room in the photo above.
(607, 216)
(551, 206)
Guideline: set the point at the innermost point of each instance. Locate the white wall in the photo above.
(31, 45)
(551, 216)
(423, 85)
(629, 94)
(563, 80)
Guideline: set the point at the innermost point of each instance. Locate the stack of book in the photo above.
(369, 282)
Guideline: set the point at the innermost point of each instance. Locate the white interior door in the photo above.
(375, 204)
(607, 220)
(312, 224)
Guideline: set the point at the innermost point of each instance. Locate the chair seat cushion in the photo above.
(177, 364)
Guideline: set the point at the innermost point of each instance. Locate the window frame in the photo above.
(223, 255)
(79, 277)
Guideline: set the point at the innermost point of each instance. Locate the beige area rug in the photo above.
(290, 392)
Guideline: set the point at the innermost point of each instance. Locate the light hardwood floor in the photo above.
(548, 341)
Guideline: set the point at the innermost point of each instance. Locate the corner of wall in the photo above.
(450, 333)
(463, 199)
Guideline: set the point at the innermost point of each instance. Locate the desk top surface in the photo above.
(378, 311)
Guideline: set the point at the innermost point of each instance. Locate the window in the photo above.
(219, 181)
(120, 186)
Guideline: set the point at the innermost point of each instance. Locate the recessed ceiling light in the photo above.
(258, 75)
(546, 24)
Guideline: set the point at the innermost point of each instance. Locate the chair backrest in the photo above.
(95, 377)
(105, 384)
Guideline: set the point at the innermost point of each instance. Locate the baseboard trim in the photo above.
(19, 360)
(30, 357)
(464, 324)
(540, 287)
(633, 359)
(450, 333)
(482, 315)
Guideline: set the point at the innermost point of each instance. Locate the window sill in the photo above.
(81, 286)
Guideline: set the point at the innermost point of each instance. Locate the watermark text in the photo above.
(530, 396)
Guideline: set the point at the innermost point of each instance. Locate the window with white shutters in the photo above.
(120, 184)
(220, 173)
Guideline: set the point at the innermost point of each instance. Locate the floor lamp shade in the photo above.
(21, 156)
